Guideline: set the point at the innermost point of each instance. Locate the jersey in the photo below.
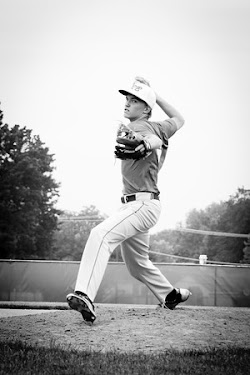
(142, 175)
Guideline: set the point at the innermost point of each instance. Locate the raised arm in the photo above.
(170, 111)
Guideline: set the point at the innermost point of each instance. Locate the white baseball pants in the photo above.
(129, 228)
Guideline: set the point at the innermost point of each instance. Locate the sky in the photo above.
(62, 63)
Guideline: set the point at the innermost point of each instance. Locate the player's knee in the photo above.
(133, 270)
(97, 232)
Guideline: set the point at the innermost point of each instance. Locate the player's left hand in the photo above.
(131, 145)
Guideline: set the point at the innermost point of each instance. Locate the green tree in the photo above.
(28, 194)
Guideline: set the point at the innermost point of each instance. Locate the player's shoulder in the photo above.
(167, 127)
(142, 125)
(163, 129)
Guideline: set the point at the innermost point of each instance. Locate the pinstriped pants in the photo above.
(128, 227)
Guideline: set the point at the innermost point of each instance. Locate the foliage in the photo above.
(235, 218)
(21, 358)
(73, 231)
(232, 216)
(27, 194)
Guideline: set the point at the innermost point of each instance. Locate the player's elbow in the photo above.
(179, 121)
(154, 141)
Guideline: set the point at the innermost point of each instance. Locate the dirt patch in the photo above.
(125, 329)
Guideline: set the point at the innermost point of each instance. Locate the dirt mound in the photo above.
(125, 328)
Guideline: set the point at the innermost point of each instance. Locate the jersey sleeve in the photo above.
(164, 129)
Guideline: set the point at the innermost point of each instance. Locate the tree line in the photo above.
(32, 228)
(28, 193)
(231, 216)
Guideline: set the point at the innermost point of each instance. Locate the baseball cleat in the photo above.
(181, 295)
(82, 303)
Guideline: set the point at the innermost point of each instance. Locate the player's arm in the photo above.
(151, 142)
(166, 107)
(170, 111)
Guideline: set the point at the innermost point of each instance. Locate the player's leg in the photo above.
(102, 241)
(136, 256)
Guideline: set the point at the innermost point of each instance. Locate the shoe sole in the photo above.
(79, 305)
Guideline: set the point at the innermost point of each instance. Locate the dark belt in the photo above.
(132, 197)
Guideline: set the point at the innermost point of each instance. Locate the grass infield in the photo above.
(21, 358)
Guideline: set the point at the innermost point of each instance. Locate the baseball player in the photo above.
(141, 146)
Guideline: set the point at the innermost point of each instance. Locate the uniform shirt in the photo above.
(142, 175)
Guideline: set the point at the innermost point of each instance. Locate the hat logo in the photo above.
(136, 87)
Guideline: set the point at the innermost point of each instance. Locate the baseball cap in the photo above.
(143, 92)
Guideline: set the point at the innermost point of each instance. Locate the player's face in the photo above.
(134, 108)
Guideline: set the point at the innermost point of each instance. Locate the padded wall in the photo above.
(50, 281)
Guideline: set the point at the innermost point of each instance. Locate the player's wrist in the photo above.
(147, 145)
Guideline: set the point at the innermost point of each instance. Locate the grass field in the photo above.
(20, 358)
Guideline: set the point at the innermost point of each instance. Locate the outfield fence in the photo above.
(50, 281)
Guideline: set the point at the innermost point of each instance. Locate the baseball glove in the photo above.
(128, 142)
